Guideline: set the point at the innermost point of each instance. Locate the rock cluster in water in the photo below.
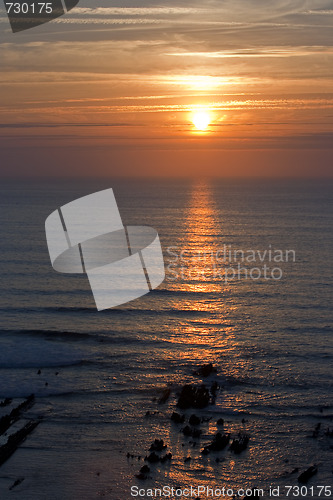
(15, 439)
(198, 397)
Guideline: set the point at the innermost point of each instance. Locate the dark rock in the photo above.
(240, 444)
(141, 476)
(5, 402)
(152, 458)
(166, 457)
(193, 397)
(315, 433)
(187, 431)
(7, 420)
(195, 433)
(28, 403)
(205, 370)
(177, 418)
(165, 396)
(219, 442)
(39, 372)
(220, 422)
(213, 389)
(157, 445)
(194, 420)
(187, 459)
(15, 440)
(329, 432)
(307, 474)
(151, 413)
(5, 423)
(145, 469)
(16, 483)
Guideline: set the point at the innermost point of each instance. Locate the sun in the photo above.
(201, 120)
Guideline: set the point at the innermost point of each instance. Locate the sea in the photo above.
(98, 376)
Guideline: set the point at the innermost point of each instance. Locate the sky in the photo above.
(112, 88)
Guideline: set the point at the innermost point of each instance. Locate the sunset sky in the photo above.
(111, 88)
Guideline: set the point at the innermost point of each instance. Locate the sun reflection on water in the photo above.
(205, 331)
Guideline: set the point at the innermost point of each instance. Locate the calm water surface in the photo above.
(270, 339)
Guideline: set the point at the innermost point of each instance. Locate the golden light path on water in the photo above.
(208, 337)
(201, 239)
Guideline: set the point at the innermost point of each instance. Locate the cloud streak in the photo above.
(128, 78)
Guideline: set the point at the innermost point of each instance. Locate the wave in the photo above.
(20, 352)
(113, 311)
(42, 364)
(48, 333)
(113, 337)
(309, 329)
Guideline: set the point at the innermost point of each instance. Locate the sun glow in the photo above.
(201, 120)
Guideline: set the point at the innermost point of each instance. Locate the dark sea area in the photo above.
(102, 374)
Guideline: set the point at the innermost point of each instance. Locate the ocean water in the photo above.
(270, 340)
